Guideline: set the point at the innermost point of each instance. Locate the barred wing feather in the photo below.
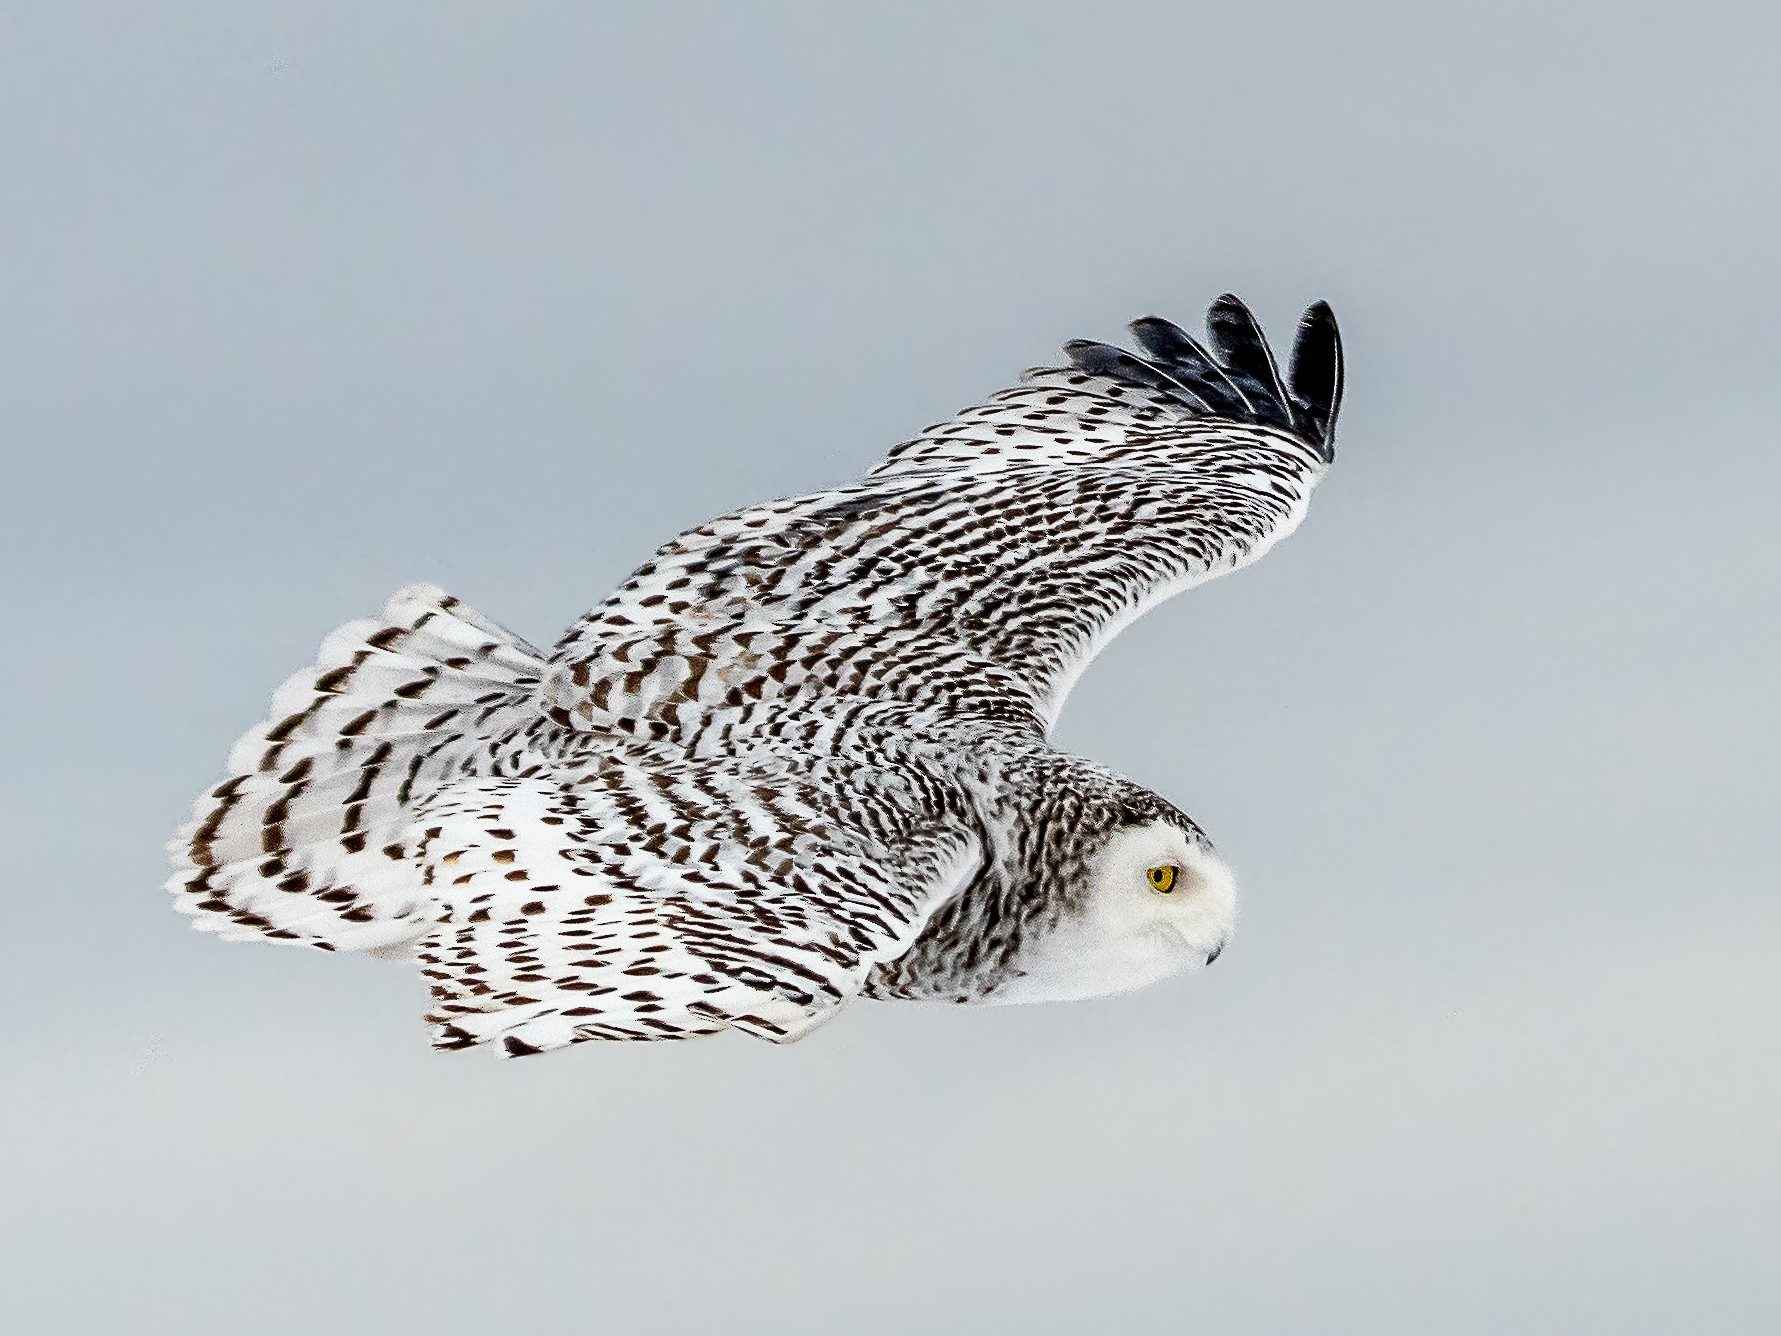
(983, 564)
(643, 902)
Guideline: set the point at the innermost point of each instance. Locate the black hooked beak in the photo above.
(1215, 953)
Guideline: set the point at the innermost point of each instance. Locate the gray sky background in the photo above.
(301, 304)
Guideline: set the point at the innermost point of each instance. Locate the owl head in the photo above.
(1133, 889)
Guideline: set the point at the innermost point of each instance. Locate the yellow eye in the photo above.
(1162, 878)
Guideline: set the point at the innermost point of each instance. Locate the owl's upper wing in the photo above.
(659, 897)
(986, 561)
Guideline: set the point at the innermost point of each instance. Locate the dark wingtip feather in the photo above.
(1239, 379)
(1178, 355)
(1315, 375)
(1103, 359)
(1248, 361)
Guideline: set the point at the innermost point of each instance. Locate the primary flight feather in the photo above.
(801, 754)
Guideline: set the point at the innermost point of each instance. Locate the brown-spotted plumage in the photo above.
(801, 754)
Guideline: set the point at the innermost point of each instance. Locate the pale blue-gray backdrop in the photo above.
(299, 304)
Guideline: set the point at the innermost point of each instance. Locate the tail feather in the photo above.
(307, 840)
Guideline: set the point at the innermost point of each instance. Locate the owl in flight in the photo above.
(801, 755)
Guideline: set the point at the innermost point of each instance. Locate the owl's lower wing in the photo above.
(652, 900)
(984, 563)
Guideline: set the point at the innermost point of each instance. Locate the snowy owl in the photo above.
(801, 754)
